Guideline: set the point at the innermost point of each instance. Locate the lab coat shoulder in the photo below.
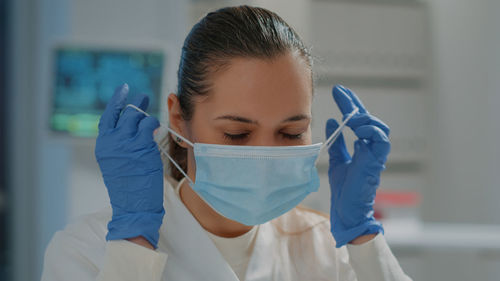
(80, 252)
(310, 246)
(307, 248)
(77, 252)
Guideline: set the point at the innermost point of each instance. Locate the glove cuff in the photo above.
(136, 224)
(347, 235)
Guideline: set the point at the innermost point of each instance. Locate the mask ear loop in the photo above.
(163, 150)
(331, 139)
(176, 165)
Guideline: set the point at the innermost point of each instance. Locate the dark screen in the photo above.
(85, 79)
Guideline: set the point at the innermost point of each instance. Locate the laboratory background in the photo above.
(430, 69)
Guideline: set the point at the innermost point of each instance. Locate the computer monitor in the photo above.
(86, 78)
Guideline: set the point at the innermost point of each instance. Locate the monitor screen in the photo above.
(85, 79)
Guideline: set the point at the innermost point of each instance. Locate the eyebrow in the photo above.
(236, 118)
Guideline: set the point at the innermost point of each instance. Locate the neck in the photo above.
(207, 217)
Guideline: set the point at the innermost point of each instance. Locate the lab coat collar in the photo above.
(188, 246)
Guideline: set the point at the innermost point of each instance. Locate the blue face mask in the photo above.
(254, 184)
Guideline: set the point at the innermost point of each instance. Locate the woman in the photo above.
(240, 145)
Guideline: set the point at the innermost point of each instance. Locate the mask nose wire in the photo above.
(163, 150)
(331, 139)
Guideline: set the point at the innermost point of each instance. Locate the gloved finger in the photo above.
(376, 139)
(131, 117)
(343, 100)
(146, 128)
(367, 119)
(141, 101)
(129, 121)
(355, 99)
(337, 151)
(113, 108)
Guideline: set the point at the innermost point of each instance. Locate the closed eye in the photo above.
(235, 136)
(292, 136)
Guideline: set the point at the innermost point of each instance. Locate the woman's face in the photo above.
(255, 102)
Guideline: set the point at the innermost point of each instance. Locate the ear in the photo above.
(177, 123)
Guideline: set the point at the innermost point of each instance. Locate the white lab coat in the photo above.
(296, 246)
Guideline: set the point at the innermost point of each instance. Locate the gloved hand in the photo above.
(354, 181)
(132, 169)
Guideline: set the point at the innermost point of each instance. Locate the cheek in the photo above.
(191, 162)
(308, 136)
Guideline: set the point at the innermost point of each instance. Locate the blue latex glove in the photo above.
(132, 169)
(354, 181)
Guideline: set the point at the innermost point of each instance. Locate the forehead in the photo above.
(260, 87)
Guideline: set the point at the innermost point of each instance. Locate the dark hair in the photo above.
(232, 32)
